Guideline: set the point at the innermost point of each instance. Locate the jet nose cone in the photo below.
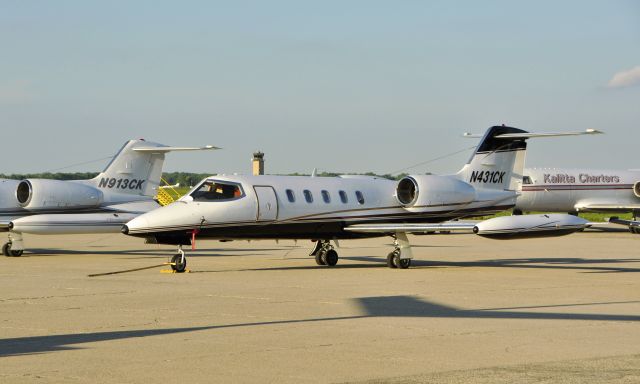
(136, 226)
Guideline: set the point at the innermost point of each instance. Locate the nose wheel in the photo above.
(179, 261)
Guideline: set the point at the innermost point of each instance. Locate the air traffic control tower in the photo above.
(258, 163)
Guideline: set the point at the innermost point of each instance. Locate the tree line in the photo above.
(185, 179)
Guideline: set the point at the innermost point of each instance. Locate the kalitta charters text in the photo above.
(584, 178)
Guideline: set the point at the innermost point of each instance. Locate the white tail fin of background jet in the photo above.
(136, 169)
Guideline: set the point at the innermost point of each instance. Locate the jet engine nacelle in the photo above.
(39, 194)
(423, 193)
(636, 189)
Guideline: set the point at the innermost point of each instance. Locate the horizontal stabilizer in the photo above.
(173, 149)
(530, 135)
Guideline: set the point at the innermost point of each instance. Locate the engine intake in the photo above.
(636, 189)
(407, 191)
(24, 192)
(38, 194)
(429, 192)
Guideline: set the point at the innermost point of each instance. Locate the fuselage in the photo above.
(114, 210)
(296, 207)
(572, 190)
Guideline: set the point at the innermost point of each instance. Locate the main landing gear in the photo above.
(179, 261)
(6, 249)
(401, 255)
(324, 253)
(399, 258)
(14, 247)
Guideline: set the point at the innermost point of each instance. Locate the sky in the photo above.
(341, 86)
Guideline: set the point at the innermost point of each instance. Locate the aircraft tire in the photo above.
(6, 249)
(390, 260)
(176, 263)
(330, 258)
(401, 263)
(319, 258)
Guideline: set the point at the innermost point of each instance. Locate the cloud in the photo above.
(625, 78)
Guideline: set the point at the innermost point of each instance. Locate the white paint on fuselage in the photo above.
(567, 190)
(378, 193)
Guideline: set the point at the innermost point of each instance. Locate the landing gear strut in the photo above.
(324, 253)
(401, 255)
(179, 261)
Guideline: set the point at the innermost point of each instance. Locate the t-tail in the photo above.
(137, 168)
(498, 161)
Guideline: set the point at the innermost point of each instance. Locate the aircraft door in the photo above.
(267, 203)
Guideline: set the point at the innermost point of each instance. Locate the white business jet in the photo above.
(347, 207)
(103, 204)
(581, 190)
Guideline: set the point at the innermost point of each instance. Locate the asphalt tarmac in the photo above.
(470, 309)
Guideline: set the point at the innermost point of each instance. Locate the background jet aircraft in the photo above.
(122, 191)
(330, 208)
(581, 190)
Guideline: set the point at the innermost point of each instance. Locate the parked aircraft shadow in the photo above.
(370, 307)
(579, 264)
(570, 263)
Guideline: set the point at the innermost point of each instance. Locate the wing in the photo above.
(466, 227)
(606, 207)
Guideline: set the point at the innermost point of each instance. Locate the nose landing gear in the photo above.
(179, 261)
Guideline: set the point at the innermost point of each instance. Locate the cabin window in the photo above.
(526, 180)
(325, 196)
(359, 197)
(290, 196)
(308, 196)
(212, 190)
(343, 197)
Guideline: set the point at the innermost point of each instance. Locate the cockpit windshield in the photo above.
(217, 190)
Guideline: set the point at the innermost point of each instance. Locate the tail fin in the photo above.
(137, 168)
(498, 161)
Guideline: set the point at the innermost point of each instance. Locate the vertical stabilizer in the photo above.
(133, 172)
(497, 163)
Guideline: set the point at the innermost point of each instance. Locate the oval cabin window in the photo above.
(360, 197)
(308, 196)
(290, 196)
(325, 196)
